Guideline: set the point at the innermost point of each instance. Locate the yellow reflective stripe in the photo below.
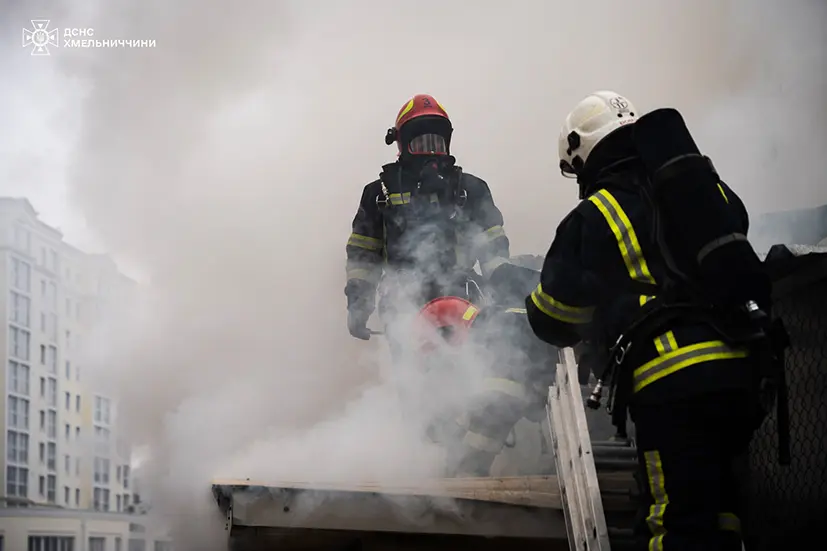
(370, 275)
(721, 189)
(494, 232)
(657, 487)
(489, 266)
(505, 386)
(644, 299)
(682, 358)
(666, 343)
(729, 522)
(364, 242)
(625, 234)
(406, 110)
(562, 312)
(400, 198)
(469, 313)
(516, 311)
(481, 442)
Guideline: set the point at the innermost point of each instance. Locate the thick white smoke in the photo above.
(229, 160)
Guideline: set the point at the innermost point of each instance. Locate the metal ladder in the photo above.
(578, 461)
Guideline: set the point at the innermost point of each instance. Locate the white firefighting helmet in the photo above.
(594, 118)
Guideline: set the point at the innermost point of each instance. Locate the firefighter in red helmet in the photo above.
(424, 216)
(418, 232)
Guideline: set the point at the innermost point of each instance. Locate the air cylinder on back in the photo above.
(697, 225)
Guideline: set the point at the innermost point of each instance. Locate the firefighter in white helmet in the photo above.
(689, 391)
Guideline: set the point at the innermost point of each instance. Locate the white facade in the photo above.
(45, 529)
(59, 446)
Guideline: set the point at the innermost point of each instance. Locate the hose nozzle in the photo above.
(596, 397)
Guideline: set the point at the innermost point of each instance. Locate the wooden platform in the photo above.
(518, 507)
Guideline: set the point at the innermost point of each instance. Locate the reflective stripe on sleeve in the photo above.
(364, 242)
(560, 311)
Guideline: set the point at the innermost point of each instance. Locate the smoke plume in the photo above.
(228, 161)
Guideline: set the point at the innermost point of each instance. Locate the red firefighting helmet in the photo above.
(422, 128)
(447, 319)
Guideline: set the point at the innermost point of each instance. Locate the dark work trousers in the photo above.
(692, 467)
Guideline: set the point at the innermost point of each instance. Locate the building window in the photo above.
(51, 359)
(17, 481)
(42, 387)
(118, 502)
(136, 544)
(118, 544)
(22, 239)
(68, 431)
(77, 433)
(68, 401)
(100, 499)
(51, 424)
(42, 354)
(51, 456)
(52, 297)
(68, 370)
(53, 261)
(101, 470)
(51, 543)
(77, 497)
(102, 435)
(118, 473)
(77, 466)
(41, 485)
(19, 378)
(102, 410)
(126, 477)
(126, 501)
(42, 452)
(66, 495)
(19, 343)
(77, 403)
(163, 546)
(42, 322)
(51, 488)
(97, 544)
(19, 309)
(51, 328)
(42, 420)
(21, 275)
(18, 409)
(51, 397)
(67, 464)
(17, 447)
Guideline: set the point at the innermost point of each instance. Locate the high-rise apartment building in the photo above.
(60, 445)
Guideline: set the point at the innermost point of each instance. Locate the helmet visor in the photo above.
(428, 144)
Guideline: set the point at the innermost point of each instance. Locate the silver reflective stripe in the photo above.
(364, 242)
(508, 387)
(657, 487)
(715, 244)
(481, 442)
(559, 311)
(683, 357)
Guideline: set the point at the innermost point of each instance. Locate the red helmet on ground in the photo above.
(422, 128)
(445, 319)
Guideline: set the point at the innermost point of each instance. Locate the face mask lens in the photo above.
(428, 144)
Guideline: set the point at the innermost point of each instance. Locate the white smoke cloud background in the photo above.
(227, 162)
